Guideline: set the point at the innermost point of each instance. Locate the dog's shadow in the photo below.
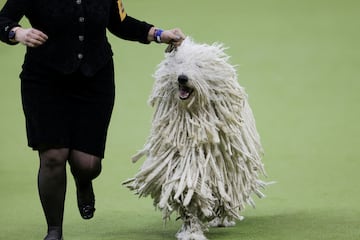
(298, 225)
(314, 225)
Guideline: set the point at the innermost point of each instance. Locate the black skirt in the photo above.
(68, 110)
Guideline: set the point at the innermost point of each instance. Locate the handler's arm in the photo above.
(126, 27)
(129, 28)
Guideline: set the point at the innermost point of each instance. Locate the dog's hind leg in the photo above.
(191, 229)
(223, 222)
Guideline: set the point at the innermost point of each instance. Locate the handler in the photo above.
(67, 89)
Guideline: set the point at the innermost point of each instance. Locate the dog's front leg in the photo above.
(192, 229)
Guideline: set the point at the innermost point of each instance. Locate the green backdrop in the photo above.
(299, 62)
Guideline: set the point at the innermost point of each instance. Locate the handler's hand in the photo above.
(30, 37)
(174, 36)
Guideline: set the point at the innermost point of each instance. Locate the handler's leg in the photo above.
(85, 167)
(52, 188)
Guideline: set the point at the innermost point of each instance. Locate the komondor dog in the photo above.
(203, 155)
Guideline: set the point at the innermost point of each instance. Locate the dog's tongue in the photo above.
(184, 93)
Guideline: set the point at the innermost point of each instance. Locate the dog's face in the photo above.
(194, 73)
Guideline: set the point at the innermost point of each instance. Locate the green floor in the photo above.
(299, 62)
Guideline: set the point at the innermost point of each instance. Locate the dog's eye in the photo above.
(198, 65)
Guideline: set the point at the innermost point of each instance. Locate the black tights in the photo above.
(52, 180)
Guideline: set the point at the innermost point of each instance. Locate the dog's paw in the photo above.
(191, 231)
(187, 235)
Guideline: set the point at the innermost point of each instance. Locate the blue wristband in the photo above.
(157, 35)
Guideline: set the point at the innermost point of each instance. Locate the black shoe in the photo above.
(86, 201)
(54, 234)
(52, 238)
(87, 211)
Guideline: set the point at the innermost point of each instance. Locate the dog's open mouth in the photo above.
(184, 92)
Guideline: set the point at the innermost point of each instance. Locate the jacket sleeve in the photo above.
(10, 15)
(126, 27)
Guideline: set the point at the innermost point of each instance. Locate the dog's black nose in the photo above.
(182, 79)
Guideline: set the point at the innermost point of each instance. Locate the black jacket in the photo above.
(76, 30)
